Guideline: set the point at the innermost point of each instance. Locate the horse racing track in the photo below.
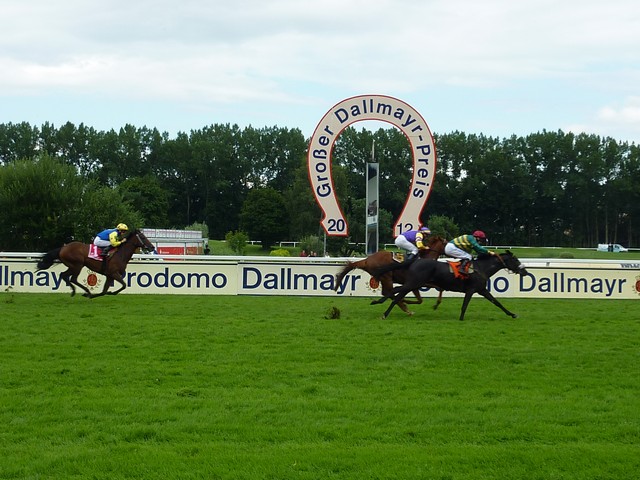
(153, 386)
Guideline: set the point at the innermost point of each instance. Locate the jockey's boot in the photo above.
(408, 260)
(464, 266)
(105, 251)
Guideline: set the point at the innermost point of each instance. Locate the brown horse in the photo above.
(75, 256)
(435, 248)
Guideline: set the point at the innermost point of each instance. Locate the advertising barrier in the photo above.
(222, 275)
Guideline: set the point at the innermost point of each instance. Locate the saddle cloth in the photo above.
(94, 252)
(454, 267)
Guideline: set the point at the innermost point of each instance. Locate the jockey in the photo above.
(411, 242)
(461, 247)
(111, 237)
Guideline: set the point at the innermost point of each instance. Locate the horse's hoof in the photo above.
(410, 313)
(514, 315)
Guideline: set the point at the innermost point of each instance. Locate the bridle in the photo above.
(517, 270)
(143, 244)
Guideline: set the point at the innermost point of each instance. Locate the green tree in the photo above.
(219, 185)
(302, 210)
(39, 203)
(150, 199)
(443, 226)
(104, 207)
(262, 216)
(237, 241)
(18, 142)
(44, 202)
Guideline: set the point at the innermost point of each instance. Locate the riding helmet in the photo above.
(122, 227)
(479, 234)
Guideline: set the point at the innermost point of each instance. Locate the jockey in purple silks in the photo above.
(411, 242)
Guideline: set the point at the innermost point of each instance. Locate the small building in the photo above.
(176, 242)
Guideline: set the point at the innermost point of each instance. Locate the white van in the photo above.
(611, 247)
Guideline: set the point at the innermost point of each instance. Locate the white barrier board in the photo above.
(205, 275)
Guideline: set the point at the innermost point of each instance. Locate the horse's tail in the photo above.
(48, 258)
(347, 268)
(340, 276)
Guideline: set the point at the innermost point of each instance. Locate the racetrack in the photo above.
(155, 386)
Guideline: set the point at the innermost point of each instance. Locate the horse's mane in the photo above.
(435, 238)
(485, 256)
(131, 232)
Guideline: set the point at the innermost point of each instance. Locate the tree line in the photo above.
(548, 188)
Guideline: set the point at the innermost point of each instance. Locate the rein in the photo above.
(502, 261)
(143, 245)
(505, 265)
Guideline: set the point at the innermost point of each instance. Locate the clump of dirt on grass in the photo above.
(333, 313)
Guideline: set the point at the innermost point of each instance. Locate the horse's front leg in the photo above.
(493, 300)
(403, 303)
(418, 299)
(102, 293)
(403, 306)
(399, 294)
(387, 290)
(107, 284)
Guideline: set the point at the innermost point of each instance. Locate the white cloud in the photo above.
(578, 55)
(628, 113)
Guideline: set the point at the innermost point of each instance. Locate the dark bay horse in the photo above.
(435, 248)
(437, 274)
(75, 256)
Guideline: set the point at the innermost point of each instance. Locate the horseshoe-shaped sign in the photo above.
(371, 107)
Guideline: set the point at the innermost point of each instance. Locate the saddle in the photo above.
(398, 257)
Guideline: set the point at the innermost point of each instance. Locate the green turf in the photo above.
(221, 248)
(212, 387)
(579, 253)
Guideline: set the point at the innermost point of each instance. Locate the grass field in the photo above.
(213, 387)
(221, 248)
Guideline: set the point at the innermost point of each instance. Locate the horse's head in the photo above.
(513, 263)
(140, 240)
(436, 243)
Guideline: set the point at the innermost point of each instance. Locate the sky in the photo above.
(493, 67)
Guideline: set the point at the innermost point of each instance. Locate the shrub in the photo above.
(311, 243)
(237, 241)
(201, 227)
(280, 252)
